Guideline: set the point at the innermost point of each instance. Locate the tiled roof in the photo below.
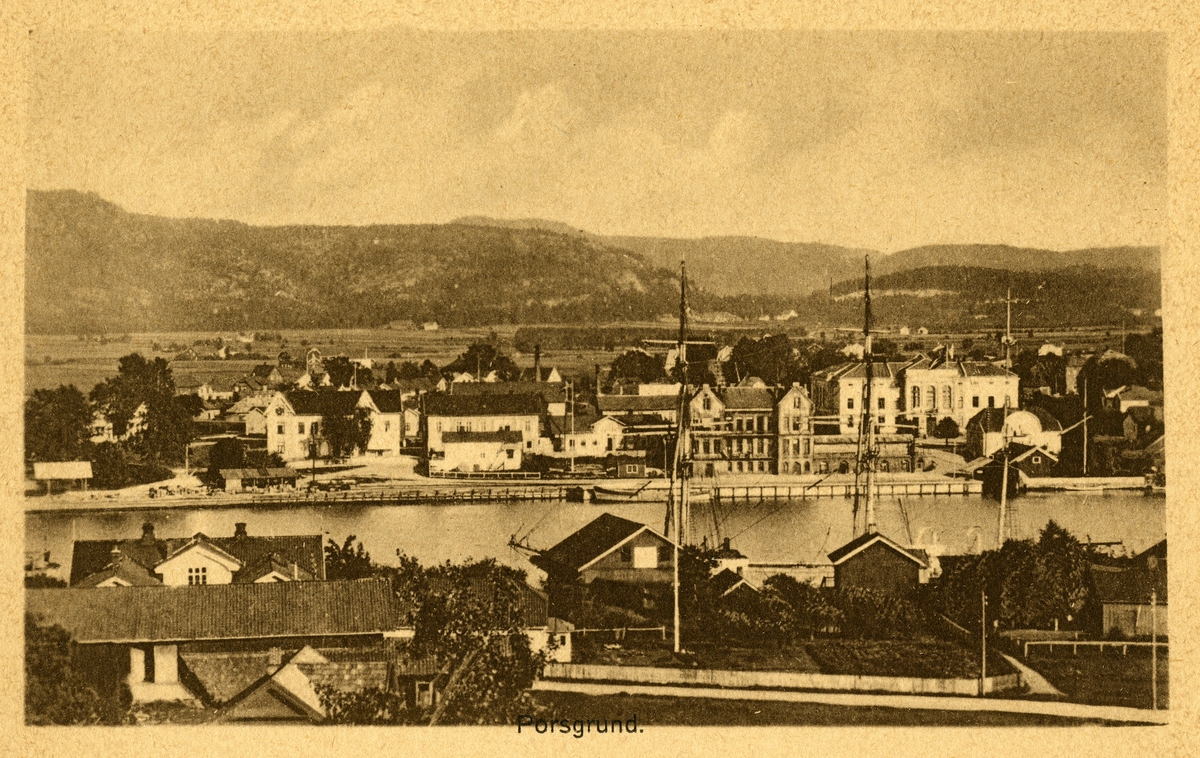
(747, 398)
(509, 437)
(91, 556)
(220, 611)
(637, 403)
(551, 393)
(224, 676)
(128, 571)
(591, 541)
(483, 405)
(324, 402)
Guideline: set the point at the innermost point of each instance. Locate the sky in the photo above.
(864, 139)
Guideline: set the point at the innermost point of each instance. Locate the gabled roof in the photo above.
(307, 551)
(323, 402)
(483, 405)
(1040, 449)
(125, 570)
(726, 581)
(747, 398)
(594, 540)
(857, 545)
(502, 437)
(220, 611)
(286, 695)
(387, 401)
(201, 542)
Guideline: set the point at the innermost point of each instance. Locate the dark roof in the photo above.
(551, 393)
(387, 401)
(637, 403)
(837, 556)
(263, 371)
(124, 568)
(747, 398)
(483, 405)
(724, 581)
(259, 473)
(220, 611)
(323, 402)
(591, 541)
(307, 551)
(1129, 585)
(509, 437)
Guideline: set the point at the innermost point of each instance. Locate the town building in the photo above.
(199, 559)
(477, 451)
(794, 421)
(837, 396)
(482, 413)
(839, 453)
(750, 427)
(943, 387)
(874, 562)
(991, 429)
(1124, 595)
(295, 420)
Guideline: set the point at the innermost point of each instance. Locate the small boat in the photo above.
(643, 494)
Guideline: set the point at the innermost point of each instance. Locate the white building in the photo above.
(943, 387)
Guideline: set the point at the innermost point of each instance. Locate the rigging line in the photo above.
(540, 521)
(772, 512)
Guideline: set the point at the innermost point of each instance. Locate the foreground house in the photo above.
(1124, 595)
(874, 562)
(621, 561)
(196, 560)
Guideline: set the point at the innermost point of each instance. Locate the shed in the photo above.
(239, 479)
(874, 562)
(76, 471)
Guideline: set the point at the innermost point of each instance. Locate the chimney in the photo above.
(295, 572)
(537, 362)
(239, 529)
(148, 533)
(274, 659)
(726, 546)
(114, 554)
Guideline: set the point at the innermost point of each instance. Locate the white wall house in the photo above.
(295, 419)
(482, 413)
(946, 388)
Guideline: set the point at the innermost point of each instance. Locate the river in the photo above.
(796, 531)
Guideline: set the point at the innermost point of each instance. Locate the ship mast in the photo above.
(866, 430)
(677, 505)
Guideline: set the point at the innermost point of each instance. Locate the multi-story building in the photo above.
(838, 395)
(710, 451)
(942, 387)
(295, 420)
(794, 422)
(482, 413)
(750, 427)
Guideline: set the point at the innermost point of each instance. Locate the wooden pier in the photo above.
(757, 492)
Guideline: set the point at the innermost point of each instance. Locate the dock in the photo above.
(930, 488)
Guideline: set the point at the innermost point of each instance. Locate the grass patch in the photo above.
(703, 656)
(1103, 677)
(676, 711)
(933, 659)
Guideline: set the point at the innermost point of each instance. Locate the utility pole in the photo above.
(571, 400)
(1154, 649)
(1085, 432)
(982, 640)
(1008, 301)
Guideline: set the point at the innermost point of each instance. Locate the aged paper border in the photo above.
(1179, 22)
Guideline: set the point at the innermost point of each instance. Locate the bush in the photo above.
(869, 614)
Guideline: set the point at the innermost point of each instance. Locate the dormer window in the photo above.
(198, 575)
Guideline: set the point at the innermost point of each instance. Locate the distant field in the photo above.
(51, 360)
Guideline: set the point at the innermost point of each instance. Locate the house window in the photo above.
(198, 575)
(785, 467)
(931, 397)
(881, 419)
(850, 422)
(882, 403)
(806, 445)
(849, 403)
(312, 428)
(439, 427)
(707, 447)
(300, 428)
(947, 397)
(387, 426)
(279, 429)
(631, 468)
(645, 557)
(975, 401)
(717, 446)
(738, 425)
(664, 553)
(796, 402)
(1037, 459)
(707, 403)
(991, 401)
(739, 467)
(627, 553)
(571, 443)
(916, 396)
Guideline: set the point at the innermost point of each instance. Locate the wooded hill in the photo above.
(93, 267)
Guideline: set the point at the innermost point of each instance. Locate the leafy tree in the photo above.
(340, 371)
(226, 453)
(637, 365)
(811, 609)
(110, 469)
(348, 561)
(345, 434)
(946, 429)
(773, 358)
(484, 357)
(60, 688)
(57, 425)
(167, 420)
(1060, 575)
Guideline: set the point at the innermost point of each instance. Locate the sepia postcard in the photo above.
(611, 386)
